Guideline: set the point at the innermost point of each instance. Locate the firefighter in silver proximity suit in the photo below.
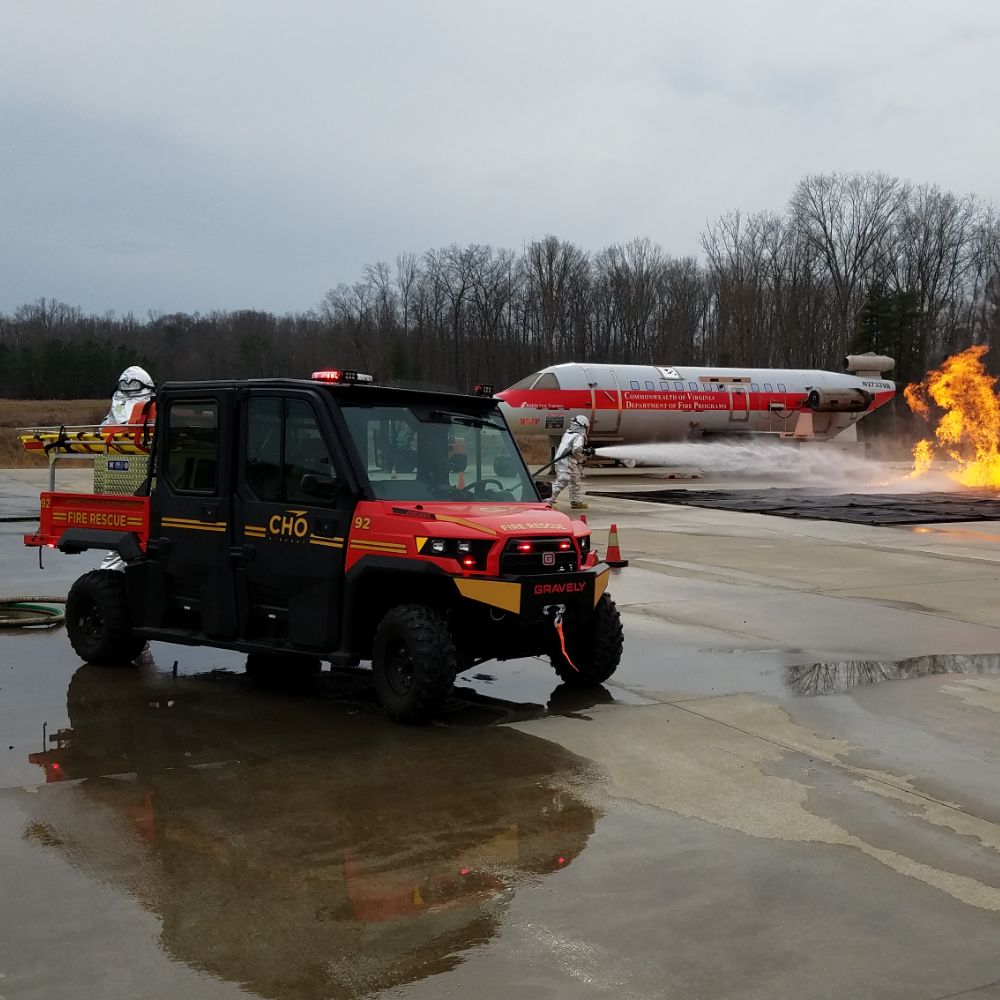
(135, 385)
(571, 454)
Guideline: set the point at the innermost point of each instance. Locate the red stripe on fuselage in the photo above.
(648, 399)
(652, 399)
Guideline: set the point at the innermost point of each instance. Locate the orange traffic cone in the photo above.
(461, 480)
(613, 557)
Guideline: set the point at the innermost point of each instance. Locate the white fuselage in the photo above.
(636, 404)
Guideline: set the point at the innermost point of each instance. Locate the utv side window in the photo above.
(308, 468)
(263, 461)
(193, 446)
(287, 458)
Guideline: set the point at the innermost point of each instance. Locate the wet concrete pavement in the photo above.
(783, 793)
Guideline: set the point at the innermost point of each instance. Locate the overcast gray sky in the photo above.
(195, 155)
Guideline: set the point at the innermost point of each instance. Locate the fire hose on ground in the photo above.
(31, 612)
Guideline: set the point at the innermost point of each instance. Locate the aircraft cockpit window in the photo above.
(781, 387)
(755, 387)
(634, 384)
(768, 387)
(650, 384)
(547, 381)
(526, 383)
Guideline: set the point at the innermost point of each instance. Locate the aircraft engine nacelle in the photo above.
(838, 400)
(870, 364)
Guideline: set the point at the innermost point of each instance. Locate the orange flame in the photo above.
(968, 432)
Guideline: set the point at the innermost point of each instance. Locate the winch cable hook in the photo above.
(557, 621)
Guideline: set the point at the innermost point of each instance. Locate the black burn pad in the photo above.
(857, 508)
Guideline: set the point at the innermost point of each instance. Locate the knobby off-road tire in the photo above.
(98, 620)
(413, 658)
(595, 647)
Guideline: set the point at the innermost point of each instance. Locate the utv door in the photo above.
(188, 577)
(293, 509)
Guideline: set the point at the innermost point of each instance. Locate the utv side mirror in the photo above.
(543, 488)
(321, 487)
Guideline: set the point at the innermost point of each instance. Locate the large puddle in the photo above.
(843, 675)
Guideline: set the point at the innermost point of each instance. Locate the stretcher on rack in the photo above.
(133, 438)
(119, 439)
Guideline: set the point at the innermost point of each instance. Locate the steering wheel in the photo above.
(478, 488)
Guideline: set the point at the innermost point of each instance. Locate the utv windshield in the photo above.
(424, 453)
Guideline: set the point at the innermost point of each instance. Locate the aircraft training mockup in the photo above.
(640, 404)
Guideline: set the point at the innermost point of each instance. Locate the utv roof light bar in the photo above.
(341, 376)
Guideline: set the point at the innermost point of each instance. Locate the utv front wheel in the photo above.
(594, 646)
(98, 620)
(413, 658)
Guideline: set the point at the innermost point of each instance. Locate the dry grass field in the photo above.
(16, 413)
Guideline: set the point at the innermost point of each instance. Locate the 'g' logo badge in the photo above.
(548, 559)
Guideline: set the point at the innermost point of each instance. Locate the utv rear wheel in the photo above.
(595, 647)
(413, 658)
(98, 620)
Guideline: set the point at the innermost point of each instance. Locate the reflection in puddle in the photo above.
(840, 676)
(303, 849)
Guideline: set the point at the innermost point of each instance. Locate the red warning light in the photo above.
(468, 562)
(565, 545)
(330, 375)
(524, 546)
(55, 766)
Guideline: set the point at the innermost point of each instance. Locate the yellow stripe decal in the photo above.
(192, 520)
(496, 593)
(380, 546)
(462, 522)
(601, 585)
(193, 526)
(326, 544)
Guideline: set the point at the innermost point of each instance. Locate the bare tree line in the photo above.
(855, 262)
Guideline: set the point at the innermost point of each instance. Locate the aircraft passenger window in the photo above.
(693, 386)
(650, 385)
(755, 387)
(664, 385)
(547, 381)
(781, 388)
(768, 387)
(679, 386)
(634, 384)
(526, 383)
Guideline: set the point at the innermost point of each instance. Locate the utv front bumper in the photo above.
(534, 597)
